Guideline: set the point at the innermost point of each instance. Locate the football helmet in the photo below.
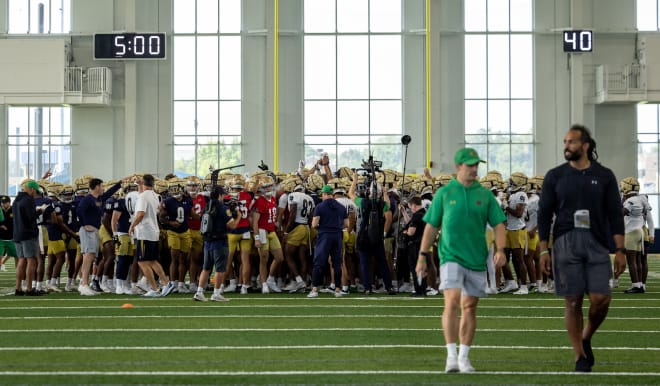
(629, 186)
(66, 194)
(161, 186)
(314, 183)
(192, 185)
(517, 182)
(535, 183)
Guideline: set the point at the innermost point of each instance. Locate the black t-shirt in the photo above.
(566, 189)
(419, 224)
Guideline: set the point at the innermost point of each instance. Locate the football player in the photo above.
(196, 255)
(516, 234)
(240, 239)
(265, 237)
(296, 234)
(175, 212)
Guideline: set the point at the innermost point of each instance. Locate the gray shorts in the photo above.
(27, 248)
(89, 241)
(471, 283)
(217, 257)
(580, 264)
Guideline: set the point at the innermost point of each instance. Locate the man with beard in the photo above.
(584, 197)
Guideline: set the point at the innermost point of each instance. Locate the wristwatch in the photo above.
(622, 250)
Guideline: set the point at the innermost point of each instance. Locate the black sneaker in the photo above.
(33, 292)
(582, 365)
(588, 352)
(634, 290)
(95, 286)
(391, 291)
(19, 293)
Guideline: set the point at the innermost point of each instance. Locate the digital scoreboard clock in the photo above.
(129, 45)
(578, 41)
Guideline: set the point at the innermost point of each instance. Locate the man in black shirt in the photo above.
(584, 197)
(414, 230)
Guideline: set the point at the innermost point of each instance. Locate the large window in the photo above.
(39, 139)
(647, 15)
(353, 81)
(499, 83)
(39, 16)
(648, 154)
(207, 85)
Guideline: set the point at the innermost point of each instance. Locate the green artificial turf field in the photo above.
(289, 339)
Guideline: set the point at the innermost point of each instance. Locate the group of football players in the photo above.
(275, 214)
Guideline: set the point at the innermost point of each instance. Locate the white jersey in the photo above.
(349, 205)
(131, 200)
(532, 212)
(516, 223)
(499, 202)
(638, 209)
(283, 200)
(304, 206)
(147, 229)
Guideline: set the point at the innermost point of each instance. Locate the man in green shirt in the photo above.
(461, 209)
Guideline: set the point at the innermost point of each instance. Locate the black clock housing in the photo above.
(130, 45)
(578, 41)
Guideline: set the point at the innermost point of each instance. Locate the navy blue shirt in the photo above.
(178, 211)
(124, 218)
(222, 217)
(331, 216)
(25, 218)
(566, 189)
(90, 208)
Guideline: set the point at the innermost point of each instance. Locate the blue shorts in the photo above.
(216, 256)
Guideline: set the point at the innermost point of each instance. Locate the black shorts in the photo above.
(580, 264)
(147, 250)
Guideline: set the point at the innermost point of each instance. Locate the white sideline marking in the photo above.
(307, 347)
(321, 372)
(343, 329)
(325, 316)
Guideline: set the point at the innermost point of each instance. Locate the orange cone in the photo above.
(127, 305)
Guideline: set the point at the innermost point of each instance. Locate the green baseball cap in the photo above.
(468, 156)
(326, 189)
(33, 184)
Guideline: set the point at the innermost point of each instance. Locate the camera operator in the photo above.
(413, 231)
(216, 247)
(375, 221)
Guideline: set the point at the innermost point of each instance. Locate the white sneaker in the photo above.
(405, 287)
(510, 286)
(614, 283)
(264, 288)
(70, 287)
(289, 287)
(522, 291)
(327, 290)
(182, 289)
(491, 291)
(244, 290)
(53, 288)
(219, 298)
(151, 294)
(432, 292)
(192, 287)
(452, 365)
(199, 297)
(3, 268)
(167, 289)
(86, 290)
(119, 290)
(464, 365)
(551, 285)
(313, 294)
(128, 291)
(297, 287)
(340, 293)
(543, 289)
(231, 287)
(105, 288)
(143, 285)
(273, 286)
